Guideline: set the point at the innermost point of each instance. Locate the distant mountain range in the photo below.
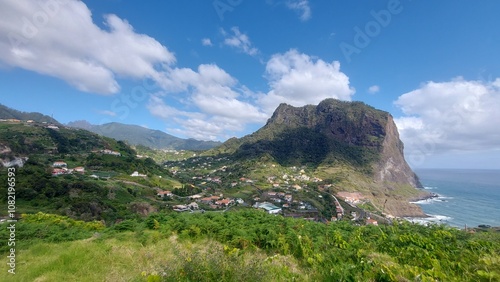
(132, 134)
(138, 135)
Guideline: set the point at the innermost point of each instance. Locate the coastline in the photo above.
(430, 196)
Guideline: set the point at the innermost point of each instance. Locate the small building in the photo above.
(195, 197)
(181, 208)
(59, 164)
(351, 197)
(58, 171)
(268, 207)
(162, 194)
(224, 202)
(79, 169)
(371, 221)
(271, 194)
(137, 174)
(110, 152)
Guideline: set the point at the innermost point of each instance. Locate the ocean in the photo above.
(466, 197)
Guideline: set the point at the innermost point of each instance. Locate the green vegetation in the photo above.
(247, 245)
(138, 135)
(8, 113)
(161, 156)
(334, 133)
(114, 196)
(106, 224)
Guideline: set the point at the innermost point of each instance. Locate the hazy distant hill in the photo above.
(138, 135)
(8, 113)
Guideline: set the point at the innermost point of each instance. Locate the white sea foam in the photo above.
(433, 218)
(439, 198)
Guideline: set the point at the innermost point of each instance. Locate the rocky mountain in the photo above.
(138, 135)
(349, 141)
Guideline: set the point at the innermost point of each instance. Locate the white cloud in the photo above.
(302, 7)
(229, 108)
(215, 94)
(239, 41)
(206, 42)
(58, 38)
(298, 79)
(158, 108)
(373, 89)
(457, 115)
(107, 113)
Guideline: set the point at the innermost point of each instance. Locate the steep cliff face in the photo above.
(392, 166)
(353, 125)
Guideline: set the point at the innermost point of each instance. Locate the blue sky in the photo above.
(217, 69)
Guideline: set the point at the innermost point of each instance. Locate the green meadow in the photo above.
(246, 245)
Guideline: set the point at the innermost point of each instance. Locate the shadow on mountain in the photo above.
(304, 146)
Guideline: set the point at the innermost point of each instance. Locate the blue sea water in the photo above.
(466, 197)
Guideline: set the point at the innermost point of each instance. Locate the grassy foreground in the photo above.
(246, 245)
(125, 259)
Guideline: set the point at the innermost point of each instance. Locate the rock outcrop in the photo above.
(351, 137)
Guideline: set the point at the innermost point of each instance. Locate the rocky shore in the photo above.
(424, 197)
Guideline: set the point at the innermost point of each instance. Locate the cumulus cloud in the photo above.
(301, 7)
(299, 79)
(59, 39)
(157, 106)
(294, 78)
(240, 41)
(215, 94)
(373, 89)
(206, 42)
(456, 115)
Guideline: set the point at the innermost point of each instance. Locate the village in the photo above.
(218, 184)
(212, 184)
(290, 191)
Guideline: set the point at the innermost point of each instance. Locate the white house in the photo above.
(164, 193)
(136, 173)
(59, 164)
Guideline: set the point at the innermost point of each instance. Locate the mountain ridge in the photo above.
(10, 113)
(138, 135)
(349, 140)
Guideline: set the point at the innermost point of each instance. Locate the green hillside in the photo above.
(8, 113)
(334, 132)
(138, 135)
(347, 144)
(103, 224)
(104, 191)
